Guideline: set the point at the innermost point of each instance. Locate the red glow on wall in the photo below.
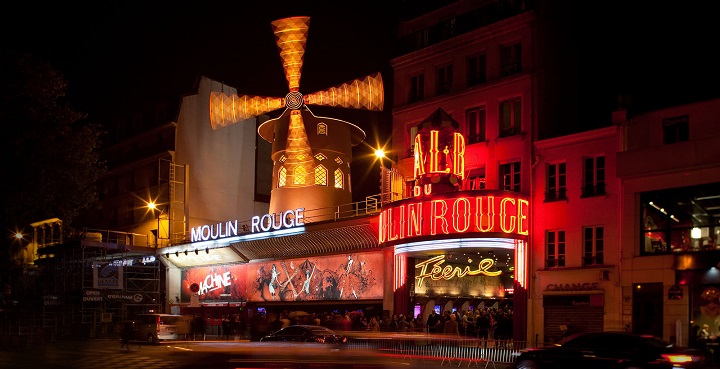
(520, 264)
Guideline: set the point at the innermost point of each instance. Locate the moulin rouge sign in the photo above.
(438, 208)
(495, 214)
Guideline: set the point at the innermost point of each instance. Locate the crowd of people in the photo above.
(487, 323)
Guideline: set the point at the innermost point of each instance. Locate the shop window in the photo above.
(554, 248)
(594, 176)
(593, 244)
(556, 182)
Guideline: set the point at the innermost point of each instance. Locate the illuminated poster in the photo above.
(215, 283)
(356, 276)
(107, 275)
(437, 276)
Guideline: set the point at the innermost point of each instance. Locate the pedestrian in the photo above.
(125, 335)
(226, 328)
(432, 321)
(451, 326)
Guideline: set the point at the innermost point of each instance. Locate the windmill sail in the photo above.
(311, 155)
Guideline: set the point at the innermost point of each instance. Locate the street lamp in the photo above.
(391, 181)
(154, 207)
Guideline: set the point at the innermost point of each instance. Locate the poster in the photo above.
(215, 283)
(355, 276)
(107, 275)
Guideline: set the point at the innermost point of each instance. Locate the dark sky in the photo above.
(120, 54)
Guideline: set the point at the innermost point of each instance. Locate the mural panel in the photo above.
(356, 276)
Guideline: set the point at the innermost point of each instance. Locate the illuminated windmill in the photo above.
(311, 155)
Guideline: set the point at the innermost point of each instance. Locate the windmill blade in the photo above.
(298, 154)
(291, 37)
(230, 109)
(362, 93)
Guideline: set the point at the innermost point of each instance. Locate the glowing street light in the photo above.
(154, 207)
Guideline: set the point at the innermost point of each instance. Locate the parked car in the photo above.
(306, 333)
(153, 328)
(621, 350)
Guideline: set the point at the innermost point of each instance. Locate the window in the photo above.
(475, 179)
(299, 175)
(556, 186)
(593, 239)
(411, 136)
(321, 174)
(510, 176)
(129, 214)
(322, 129)
(320, 157)
(282, 177)
(338, 178)
(510, 59)
(338, 160)
(555, 248)
(475, 118)
(417, 88)
(510, 117)
(594, 176)
(444, 79)
(676, 129)
(476, 70)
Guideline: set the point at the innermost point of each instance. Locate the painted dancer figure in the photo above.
(273, 280)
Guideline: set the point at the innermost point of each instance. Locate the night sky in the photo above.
(117, 55)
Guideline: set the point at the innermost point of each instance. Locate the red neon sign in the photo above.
(504, 214)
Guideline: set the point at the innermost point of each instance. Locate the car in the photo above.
(305, 333)
(621, 350)
(154, 328)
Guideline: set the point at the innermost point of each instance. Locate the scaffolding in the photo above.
(86, 286)
(171, 180)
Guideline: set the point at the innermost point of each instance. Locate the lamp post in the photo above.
(154, 207)
(388, 178)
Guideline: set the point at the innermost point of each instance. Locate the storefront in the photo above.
(459, 251)
(324, 267)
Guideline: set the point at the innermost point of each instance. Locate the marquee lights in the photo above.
(438, 271)
(496, 213)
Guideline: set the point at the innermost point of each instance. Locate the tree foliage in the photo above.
(49, 150)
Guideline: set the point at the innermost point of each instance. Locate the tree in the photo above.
(49, 150)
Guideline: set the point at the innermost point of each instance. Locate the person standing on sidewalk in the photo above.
(451, 326)
(125, 335)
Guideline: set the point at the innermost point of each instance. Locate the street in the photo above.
(103, 353)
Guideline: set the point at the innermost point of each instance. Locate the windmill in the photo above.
(311, 155)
